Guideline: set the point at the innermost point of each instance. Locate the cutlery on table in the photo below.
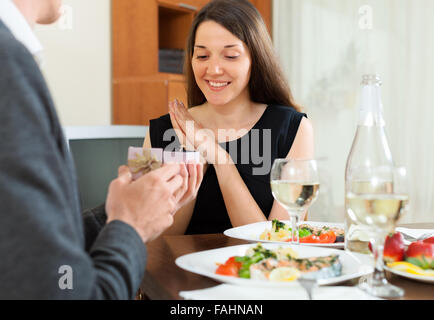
(412, 239)
(308, 284)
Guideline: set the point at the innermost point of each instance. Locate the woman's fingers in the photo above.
(184, 116)
(192, 178)
(179, 133)
(178, 117)
(187, 196)
(179, 123)
(184, 188)
(199, 176)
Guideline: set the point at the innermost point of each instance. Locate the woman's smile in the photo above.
(217, 86)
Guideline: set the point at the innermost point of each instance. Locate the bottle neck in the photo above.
(371, 107)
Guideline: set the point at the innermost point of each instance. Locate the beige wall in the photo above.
(78, 64)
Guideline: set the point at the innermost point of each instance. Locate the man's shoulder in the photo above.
(12, 51)
(5, 34)
(24, 95)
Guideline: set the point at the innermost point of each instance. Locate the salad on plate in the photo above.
(281, 264)
(281, 231)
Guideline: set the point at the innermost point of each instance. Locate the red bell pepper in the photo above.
(429, 240)
(421, 254)
(394, 248)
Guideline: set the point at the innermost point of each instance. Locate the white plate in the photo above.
(251, 232)
(411, 276)
(204, 263)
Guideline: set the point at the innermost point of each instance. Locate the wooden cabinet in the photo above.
(192, 5)
(140, 30)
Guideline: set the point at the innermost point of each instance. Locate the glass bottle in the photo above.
(369, 151)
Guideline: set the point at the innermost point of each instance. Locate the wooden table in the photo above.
(163, 280)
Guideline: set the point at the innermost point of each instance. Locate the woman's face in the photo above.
(221, 64)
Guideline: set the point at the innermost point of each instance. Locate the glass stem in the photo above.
(378, 277)
(294, 228)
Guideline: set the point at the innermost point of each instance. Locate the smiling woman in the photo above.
(221, 64)
(234, 85)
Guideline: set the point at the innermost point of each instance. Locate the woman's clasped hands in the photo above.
(194, 136)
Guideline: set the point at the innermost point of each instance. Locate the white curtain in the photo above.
(325, 46)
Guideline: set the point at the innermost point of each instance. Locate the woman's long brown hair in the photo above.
(267, 83)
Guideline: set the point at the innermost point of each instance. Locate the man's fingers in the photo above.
(124, 174)
(168, 171)
(175, 183)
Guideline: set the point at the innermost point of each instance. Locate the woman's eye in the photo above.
(232, 57)
(201, 57)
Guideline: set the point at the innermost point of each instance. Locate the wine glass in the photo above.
(295, 185)
(377, 202)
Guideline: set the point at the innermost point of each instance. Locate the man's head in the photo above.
(40, 11)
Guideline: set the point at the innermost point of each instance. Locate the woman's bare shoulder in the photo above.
(303, 145)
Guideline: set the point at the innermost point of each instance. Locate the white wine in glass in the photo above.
(380, 211)
(378, 206)
(294, 195)
(357, 237)
(295, 185)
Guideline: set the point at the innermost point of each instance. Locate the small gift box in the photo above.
(181, 157)
(142, 161)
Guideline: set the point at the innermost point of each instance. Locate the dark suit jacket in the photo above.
(43, 236)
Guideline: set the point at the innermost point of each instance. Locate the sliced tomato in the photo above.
(232, 261)
(328, 237)
(310, 239)
(229, 268)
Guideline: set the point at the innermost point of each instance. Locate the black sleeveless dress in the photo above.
(253, 154)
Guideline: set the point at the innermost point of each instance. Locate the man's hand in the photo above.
(148, 203)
